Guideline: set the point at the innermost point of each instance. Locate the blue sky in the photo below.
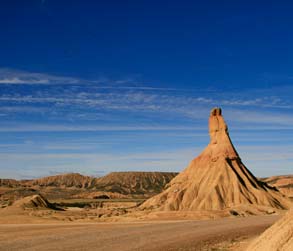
(101, 86)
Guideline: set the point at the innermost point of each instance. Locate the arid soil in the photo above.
(220, 234)
(277, 237)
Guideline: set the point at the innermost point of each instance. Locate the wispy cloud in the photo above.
(16, 77)
(72, 128)
(17, 80)
(150, 100)
(86, 103)
(11, 76)
(129, 113)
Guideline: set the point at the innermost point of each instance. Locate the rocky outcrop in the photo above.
(33, 202)
(277, 237)
(216, 179)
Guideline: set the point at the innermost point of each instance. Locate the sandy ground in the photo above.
(219, 234)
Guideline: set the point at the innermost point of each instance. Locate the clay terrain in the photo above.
(215, 203)
(284, 183)
(220, 234)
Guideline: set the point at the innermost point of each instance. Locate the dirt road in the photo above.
(147, 236)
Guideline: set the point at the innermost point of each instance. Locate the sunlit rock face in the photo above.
(277, 237)
(216, 179)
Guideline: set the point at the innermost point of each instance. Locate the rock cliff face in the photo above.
(216, 179)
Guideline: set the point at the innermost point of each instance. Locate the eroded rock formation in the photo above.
(277, 237)
(216, 179)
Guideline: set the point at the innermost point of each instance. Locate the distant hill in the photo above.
(9, 182)
(134, 182)
(284, 183)
(64, 180)
(124, 183)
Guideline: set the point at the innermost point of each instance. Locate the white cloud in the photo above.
(16, 80)
(61, 128)
(16, 77)
(72, 108)
(88, 103)
(11, 76)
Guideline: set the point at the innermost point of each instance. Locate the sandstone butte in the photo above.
(216, 180)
